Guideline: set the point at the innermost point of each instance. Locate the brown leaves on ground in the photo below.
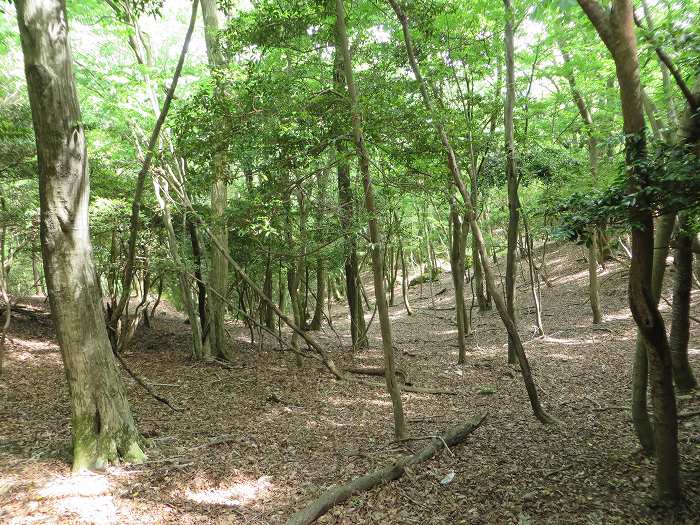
(259, 440)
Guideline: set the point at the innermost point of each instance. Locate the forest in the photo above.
(368, 261)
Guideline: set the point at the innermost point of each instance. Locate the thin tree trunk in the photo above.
(127, 279)
(320, 294)
(458, 279)
(268, 319)
(453, 165)
(5, 323)
(162, 194)
(534, 281)
(201, 287)
(218, 273)
(680, 324)
(593, 286)
(346, 201)
(404, 281)
(375, 237)
(102, 424)
(512, 176)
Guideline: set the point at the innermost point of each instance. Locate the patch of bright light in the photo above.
(235, 495)
(86, 484)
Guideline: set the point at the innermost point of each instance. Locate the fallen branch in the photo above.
(407, 388)
(377, 371)
(391, 472)
(141, 381)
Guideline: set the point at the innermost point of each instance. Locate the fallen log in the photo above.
(340, 493)
(407, 388)
(377, 371)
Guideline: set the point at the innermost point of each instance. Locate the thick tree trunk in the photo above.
(374, 234)
(103, 427)
(512, 176)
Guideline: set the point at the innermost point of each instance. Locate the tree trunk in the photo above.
(593, 286)
(680, 324)
(454, 169)
(346, 202)
(616, 29)
(102, 423)
(593, 244)
(161, 187)
(374, 234)
(458, 279)
(404, 281)
(201, 287)
(320, 294)
(218, 273)
(512, 176)
(268, 319)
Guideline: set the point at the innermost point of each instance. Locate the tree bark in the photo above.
(218, 273)
(457, 264)
(374, 233)
(320, 294)
(680, 323)
(512, 176)
(346, 201)
(201, 287)
(102, 424)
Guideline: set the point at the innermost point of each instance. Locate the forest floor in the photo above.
(256, 442)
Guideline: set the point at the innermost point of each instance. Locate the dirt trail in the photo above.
(256, 442)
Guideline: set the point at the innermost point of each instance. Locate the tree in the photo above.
(511, 175)
(616, 30)
(374, 234)
(218, 274)
(102, 423)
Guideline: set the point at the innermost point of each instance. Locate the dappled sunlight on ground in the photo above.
(260, 439)
(86, 496)
(235, 495)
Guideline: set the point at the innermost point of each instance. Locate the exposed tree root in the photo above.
(393, 471)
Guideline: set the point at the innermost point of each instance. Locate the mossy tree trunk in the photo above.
(103, 426)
